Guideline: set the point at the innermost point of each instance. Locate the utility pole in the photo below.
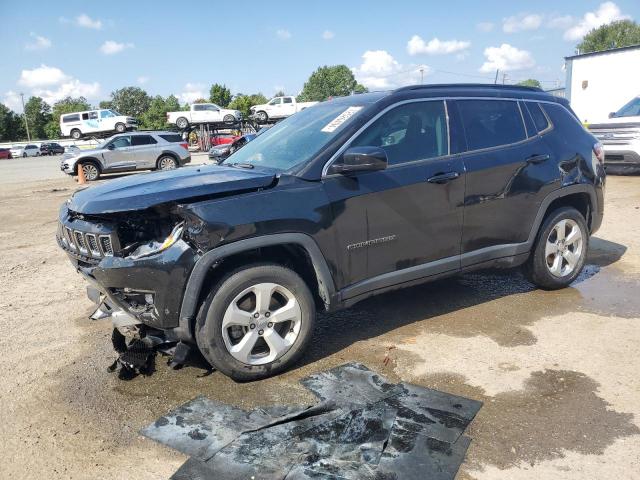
(24, 114)
(504, 78)
(421, 75)
(496, 79)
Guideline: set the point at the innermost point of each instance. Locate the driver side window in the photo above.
(631, 109)
(121, 142)
(413, 131)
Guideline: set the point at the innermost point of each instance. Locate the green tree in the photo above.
(66, 105)
(155, 118)
(220, 95)
(614, 35)
(38, 113)
(530, 82)
(132, 101)
(333, 81)
(106, 104)
(244, 102)
(200, 100)
(11, 125)
(280, 93)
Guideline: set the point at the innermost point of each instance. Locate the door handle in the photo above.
(535, 159)
(443, 177)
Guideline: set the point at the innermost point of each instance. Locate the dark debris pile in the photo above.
(362, 428)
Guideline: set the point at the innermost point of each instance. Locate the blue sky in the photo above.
(90, 48)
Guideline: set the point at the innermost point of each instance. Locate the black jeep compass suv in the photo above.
(349, 198)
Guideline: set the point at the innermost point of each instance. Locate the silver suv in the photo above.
(128, 152)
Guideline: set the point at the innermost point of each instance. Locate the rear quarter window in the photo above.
(171, 138)
(539, 118)
(71, 118)
(562, 119)
(491, 123)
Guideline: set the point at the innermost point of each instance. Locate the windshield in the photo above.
(631, 109)
(298, 138)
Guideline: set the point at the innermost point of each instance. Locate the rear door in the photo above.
(404, 222)
(144, 151)
(509, 172)
(90, 122)
(288, 107)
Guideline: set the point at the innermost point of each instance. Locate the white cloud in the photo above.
(39, 43)
(85, 21)
(42, 76)
(485, 27)
(521, 22)
(283, 34)
(560, 21)
(328, 35)
(70, 88)
(435, 46)
(506, 58)
(12, 100)
(192, 92)
(380, 71)
(111, 47)
(142, 80)
(607, 12)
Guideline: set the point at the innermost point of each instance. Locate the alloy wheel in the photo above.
(564, 248)
(261, 323)
(167, 163)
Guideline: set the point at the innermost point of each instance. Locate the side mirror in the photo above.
(612, 114)
(361, 159)
(111, 146)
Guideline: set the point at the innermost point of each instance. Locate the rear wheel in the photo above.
(256, 322)
(76, 134)
(182, 122)
(167, 162)
(560, 250)
(229, 119)
(91, 171)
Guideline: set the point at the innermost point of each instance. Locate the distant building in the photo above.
(601, 82)
(557, 92)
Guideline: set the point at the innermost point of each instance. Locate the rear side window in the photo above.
(71, 118)
(287, 100)
(491, 123)
(137, 140)
(414, 131)
(538, 116)
(563, 119)
(172, 138)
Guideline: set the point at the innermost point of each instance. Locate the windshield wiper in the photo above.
(242, 165)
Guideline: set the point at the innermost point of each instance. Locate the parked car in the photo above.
(278, 107)
(128, 152)
(204, 113)
(17, 151)
(5, 153)
(620, 137)
(31, 150)
(348, 199)
(51, 149)
(72, 149)
(79, 124)
(223, 139)
(220, 152)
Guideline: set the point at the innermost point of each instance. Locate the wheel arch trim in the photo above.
(199, 272)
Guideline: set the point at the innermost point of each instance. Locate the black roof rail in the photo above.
(491, 86)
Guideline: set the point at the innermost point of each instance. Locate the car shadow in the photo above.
(467, 305)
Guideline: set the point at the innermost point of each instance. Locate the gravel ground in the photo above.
(557, 371)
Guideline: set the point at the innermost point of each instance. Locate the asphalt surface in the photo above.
(557, 372)
(20, 170)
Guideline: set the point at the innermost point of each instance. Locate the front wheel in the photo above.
(229, 119)
(121, 127)
(256, 322)
(262, 117)
(182, 123)
(560, 250)
(76, 134)
(91, 171)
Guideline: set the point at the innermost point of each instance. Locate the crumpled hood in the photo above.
(137, 192)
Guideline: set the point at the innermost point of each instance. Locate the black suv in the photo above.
(344, 200)
(51, 149)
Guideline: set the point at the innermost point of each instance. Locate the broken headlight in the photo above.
(153, 247)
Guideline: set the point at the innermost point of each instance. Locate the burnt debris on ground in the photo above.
(362, 428)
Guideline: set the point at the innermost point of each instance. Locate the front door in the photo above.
(118, 154)
(405, 222)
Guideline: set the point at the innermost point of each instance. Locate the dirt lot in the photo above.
(557, 371)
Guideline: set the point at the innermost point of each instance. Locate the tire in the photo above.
(121, 127)
(24, 155)
(229, 119)
(557, 259)
(182, 123)
(261, 359)
(91, 171)
(166, 162)
(262, 117)
(76, 134)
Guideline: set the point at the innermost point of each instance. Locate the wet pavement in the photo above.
(557, 372)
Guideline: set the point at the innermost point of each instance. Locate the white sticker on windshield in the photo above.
(340, 119)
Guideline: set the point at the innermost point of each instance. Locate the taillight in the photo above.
(185, 146)
(598, 152)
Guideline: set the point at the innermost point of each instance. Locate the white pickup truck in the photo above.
(204, 113)
(278, 107)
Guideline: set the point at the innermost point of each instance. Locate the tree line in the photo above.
(324, 83)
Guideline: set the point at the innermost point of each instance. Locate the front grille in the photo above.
(70, 240)
(87, 244)
(106, 244)
(92, 243)
(82, 246)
